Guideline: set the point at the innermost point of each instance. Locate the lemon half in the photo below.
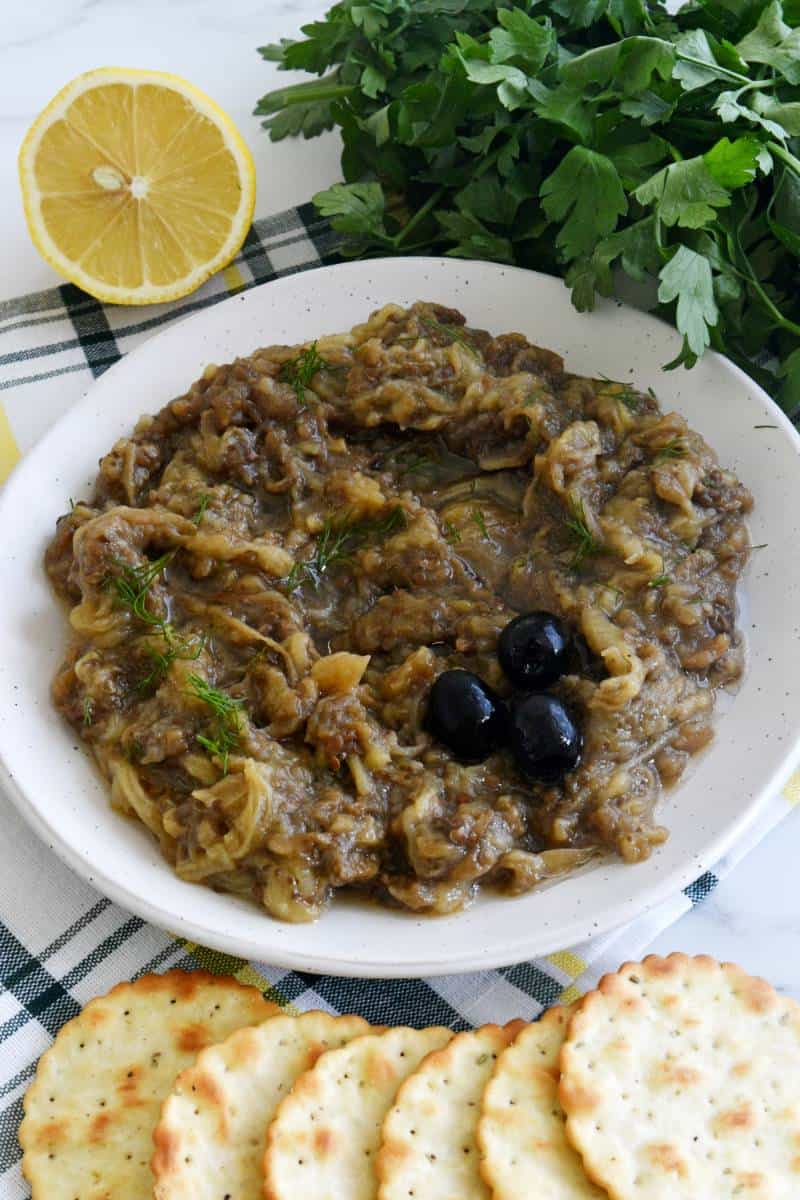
(136, 185)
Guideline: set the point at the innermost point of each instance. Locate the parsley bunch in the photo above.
(580, 137)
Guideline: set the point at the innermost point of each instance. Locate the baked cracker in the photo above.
(521, 1134)
(428, 1148)
(325, 1135)
(681, 1081)
(210, 1139)
(87, 1133)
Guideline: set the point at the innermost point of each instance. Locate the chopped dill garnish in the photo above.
(299, 371)
(202, 506)
(408, 460)
(659, 581)
(132, 587)
(186, 649)
(226, 728)
(761, 546)
(626, 394)
(478, 519)
(336, 543)
(450, 332)
(765, 427)
(413, 466)
(134, 750)
(451, 534)
(88, 710)
(586, 544)
(674, 448)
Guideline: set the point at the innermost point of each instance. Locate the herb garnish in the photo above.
(586, 544)
(659, 581)
(336, 543)
(88, 710)
(478, 519)
(132, 586)
(300, 370)
(407, 460)
(626, 394)
(451, 534)
(451, 332)
(202, 505)
(186, 649)
(674, 448)
(226, 727)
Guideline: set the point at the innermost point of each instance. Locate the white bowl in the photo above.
(57, 789)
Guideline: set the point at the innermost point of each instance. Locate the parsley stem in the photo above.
(420, 215)
(785, 156)
(716, 68)
(303, 93)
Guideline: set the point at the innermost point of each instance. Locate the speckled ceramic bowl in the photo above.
(57, 789)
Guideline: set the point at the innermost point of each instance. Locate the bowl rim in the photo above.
(468, 958)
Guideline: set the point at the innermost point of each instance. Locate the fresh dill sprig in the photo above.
(202, 506)
(336, 543)
(626, 394)
(586, 544)
(300, 370)
(450, 332)
(674, 448)
(132, 587)
(478, 519)
(226, 727)
(408, 460)
(451, 534)
(186, 649)
(659, 581)
(88, 710)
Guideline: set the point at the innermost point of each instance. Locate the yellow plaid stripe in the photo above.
(792, 790)
(234, 280)
(9, 450)
(573, 966)
(226, 964)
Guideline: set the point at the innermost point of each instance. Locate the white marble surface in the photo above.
(754, 915)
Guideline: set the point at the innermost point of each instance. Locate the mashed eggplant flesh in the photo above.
(272, 571)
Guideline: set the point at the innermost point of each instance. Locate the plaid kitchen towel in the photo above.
(60, 941)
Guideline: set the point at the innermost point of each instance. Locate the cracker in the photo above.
(325, 1135)
(210, 1139)
(521, 1134)
(87, 1133)
(681, 1080)
(428, 1147)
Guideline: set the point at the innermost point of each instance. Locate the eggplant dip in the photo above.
(405, 610)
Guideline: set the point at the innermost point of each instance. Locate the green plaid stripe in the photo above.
(60, 942)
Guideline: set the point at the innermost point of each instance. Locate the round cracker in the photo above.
(428, 1148)
(90, 1111)
(681, 1079)
(326, 1133)
(521, 1134)
(214, 1121)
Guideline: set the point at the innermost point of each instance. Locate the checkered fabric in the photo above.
(60, 941)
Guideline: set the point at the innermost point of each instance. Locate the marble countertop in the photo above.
(752, 917)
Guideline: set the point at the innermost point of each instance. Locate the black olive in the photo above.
(467, 715)
(533, 649)
(545, 741)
